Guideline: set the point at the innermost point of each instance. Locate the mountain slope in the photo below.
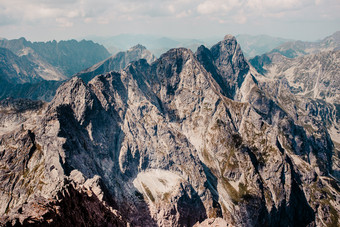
(14, 69)
(117, 62)
(67, 57)
(45, 90)
(19, 77)
(187, 138)
(316, 76)
(306, 86)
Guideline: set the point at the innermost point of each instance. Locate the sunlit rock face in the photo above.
(190, 139)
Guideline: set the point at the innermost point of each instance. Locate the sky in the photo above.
(43, 20)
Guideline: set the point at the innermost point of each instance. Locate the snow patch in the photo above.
(156, 183)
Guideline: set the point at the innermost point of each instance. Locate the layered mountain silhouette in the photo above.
(59, 60)
(299, 48)
(252, 45)
(28, 83)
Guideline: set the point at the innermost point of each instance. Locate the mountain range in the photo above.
(187, 139)
(299, 48)
(251, 45)
(156, 44)
(15, 69)
(260, 44)
(59, 60)
(27, 83)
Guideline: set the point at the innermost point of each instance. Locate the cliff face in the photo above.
(188, 138)
(307, 88)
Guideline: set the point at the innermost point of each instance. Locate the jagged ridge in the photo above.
(189, 137)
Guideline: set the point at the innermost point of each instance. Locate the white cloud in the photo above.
(207, 8)
(64, 22)
(123, 16)
(270, 6)
(35, 10)
(217, 6)
(240, 17)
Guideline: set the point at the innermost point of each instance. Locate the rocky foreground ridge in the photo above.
(190, 139)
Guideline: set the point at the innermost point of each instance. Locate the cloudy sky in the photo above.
(41, 20)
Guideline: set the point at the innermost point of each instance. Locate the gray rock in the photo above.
(189, 139)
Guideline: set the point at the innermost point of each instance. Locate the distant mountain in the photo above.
(45, 90)
(257, 45)
(156, 44)
(251, 45)
(38, 67)
(300, 48)
(117, 62)
(19, 77)
(17, 70)
(294, 49)
(58, 60)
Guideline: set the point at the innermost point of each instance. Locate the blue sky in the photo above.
(41, 20)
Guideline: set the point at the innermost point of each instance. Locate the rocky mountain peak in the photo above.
(137, 47)
(76, 94)
(168, 144)
(176, 53)
(331, 42)
(226, 62)
(228, 51)
(229, 36)
(139, 52)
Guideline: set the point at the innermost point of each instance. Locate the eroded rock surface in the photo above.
(189, 139)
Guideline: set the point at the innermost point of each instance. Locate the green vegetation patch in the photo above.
(148, 193)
